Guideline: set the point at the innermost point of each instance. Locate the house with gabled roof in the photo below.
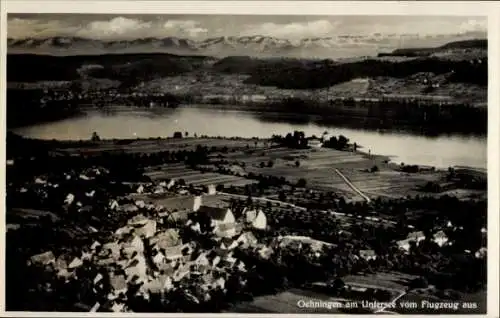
(174, 253)
(45, 258)
(75, 263)
(245, 240)
(404, 244)
(129, 208)
(416, 236)
(147, 229)
(257, 219)
(211, 190)
(124, 230)
(95, 245)
(165, 239)
(222, 219)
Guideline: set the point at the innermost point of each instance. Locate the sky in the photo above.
(199, 27)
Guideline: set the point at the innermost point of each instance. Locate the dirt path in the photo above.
(352, 186)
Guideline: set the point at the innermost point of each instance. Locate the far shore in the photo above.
(107, 141)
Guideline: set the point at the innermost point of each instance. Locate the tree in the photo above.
(186, 134)
(301, 183)
(262, 164)
(270, 164)
(342, 142)
(281, 196)
(177, 134)
(95, 137)
(419, 282)
(297, 163)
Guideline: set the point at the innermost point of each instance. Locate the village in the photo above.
(171, 244)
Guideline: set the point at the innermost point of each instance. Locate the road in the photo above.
(352, 186)
(383, 309)
(240, 196)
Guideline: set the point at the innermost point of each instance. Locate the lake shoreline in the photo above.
(126, 123)
(265, 114)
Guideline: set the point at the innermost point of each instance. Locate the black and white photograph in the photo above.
(264, 164)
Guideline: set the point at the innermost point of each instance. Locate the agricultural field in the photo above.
(391, 281)
(196, 178)
(152, 145)
(172, 202)
(317, 166)
(244, 156)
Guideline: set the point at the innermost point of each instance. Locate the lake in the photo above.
(441, 151)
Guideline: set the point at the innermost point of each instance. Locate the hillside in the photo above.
(464, 48)
(280, 72)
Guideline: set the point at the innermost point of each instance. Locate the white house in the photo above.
(481, 253)
(222, 219)
(113, 205)
(165, 239)
(256, 218)
(260, 221)
(211, 189)
(404, 244)
(43, 258)
(416, 236)
(245, 240)
(440, 238)
(140, 189)
(202, 262)
(140, 204)
(315, 143)
(124, 230)
(95, 245)
(368, 255)
(133, 244)
(76, 262)
(146, 230)
(69, 198)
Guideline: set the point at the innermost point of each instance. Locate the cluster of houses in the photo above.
(440, 238)
(155, 258)
(150, 253)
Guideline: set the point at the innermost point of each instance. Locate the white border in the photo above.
(436, 8)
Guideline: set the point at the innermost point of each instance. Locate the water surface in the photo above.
(442, 151)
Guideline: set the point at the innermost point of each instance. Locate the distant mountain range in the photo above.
(324, 47)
